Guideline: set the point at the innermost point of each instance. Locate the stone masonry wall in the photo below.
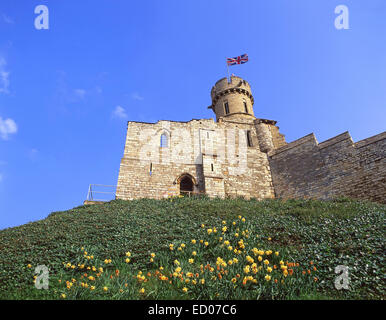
(214, 154)
(335, 167)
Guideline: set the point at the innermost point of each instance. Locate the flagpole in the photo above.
(228, 72)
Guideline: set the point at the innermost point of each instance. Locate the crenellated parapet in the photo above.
(335, 167)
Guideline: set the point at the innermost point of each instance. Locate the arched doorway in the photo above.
(186, 185)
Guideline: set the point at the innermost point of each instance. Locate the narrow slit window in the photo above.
(226, 107)
(245, 106)
(151, 168)
(211, 165)
(249, 138)
(164, 141)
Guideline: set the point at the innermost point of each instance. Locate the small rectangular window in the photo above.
(226, 106)
(249, 138)
(211, 166)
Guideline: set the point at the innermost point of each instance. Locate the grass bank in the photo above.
(302, 241)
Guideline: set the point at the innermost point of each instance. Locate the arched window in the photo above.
(164, 140)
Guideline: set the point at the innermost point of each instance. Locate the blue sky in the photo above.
(67, 92)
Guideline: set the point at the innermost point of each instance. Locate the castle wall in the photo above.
(223, 162)
(335, 167)
(215, 154)
(143, 153)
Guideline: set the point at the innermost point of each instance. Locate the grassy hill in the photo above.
(302, 241)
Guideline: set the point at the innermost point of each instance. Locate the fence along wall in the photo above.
(336, 167)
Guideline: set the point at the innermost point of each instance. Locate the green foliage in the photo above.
(330, 233)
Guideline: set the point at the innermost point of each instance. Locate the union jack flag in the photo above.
(237, 60)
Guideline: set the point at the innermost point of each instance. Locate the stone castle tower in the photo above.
(232, 100)
(242, 155)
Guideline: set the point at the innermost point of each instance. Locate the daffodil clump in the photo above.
(227, 261)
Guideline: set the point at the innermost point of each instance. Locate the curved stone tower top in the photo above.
(232, 99)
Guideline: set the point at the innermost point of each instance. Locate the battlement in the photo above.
(373, 139)
(337, 166)
(236, 83)
(310, 141)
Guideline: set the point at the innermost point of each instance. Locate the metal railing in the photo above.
(94, 190)
(191, 193)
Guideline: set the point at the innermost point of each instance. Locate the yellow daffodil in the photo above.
(249, 259)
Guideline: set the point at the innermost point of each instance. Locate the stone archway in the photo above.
(187, 184)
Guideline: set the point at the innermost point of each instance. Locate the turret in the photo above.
(232, 99)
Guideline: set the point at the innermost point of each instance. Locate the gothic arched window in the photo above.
(164, 140)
